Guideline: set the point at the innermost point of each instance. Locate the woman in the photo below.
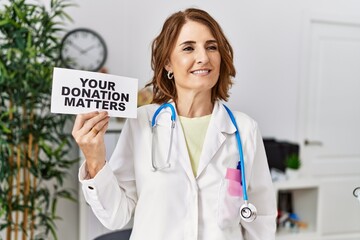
(175, 181)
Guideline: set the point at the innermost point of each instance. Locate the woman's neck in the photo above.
(194, 105)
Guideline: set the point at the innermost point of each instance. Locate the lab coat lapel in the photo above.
(220, 123)
(180, 150)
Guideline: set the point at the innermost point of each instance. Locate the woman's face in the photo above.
(195, 59)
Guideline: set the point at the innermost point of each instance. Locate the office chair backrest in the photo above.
(117, 235)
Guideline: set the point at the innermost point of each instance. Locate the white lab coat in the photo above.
(174, 204)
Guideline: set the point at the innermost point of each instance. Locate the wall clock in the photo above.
(83, 49)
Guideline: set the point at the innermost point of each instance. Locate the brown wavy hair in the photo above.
(162, 46)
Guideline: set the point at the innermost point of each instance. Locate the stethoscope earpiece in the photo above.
(248, 212)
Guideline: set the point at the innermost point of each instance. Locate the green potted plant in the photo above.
(292, 164)
(33, 144)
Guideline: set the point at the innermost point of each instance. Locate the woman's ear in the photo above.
(168, 66)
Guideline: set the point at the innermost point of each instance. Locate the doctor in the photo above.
(174, 178)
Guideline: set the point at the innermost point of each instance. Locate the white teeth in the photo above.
(200, 71)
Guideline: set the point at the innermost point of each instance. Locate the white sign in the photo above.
(75, 92)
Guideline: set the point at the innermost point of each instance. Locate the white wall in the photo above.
(266, 37)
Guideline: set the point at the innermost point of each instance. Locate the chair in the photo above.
(117, 235)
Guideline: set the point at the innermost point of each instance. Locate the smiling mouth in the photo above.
(200, 72)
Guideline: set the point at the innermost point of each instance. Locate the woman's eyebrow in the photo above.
(193, 42)
(211, 41)
(187, 42)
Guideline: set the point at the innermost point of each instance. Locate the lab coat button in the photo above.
(91, 187)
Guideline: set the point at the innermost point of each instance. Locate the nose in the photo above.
(202, 56)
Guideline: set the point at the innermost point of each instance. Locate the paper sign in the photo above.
(75, 91)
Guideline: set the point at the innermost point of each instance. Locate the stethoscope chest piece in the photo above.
(248, 212)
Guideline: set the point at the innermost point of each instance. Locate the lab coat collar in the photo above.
(222, 119)
(180, 148)
(220, 123)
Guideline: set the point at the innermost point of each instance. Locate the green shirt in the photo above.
(194, 131)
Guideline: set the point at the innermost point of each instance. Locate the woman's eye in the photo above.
(213, 48)
(188, 49)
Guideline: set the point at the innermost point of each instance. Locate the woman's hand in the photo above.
(88, 132)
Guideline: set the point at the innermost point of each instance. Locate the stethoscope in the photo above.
(248, 211)
(356, 193)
